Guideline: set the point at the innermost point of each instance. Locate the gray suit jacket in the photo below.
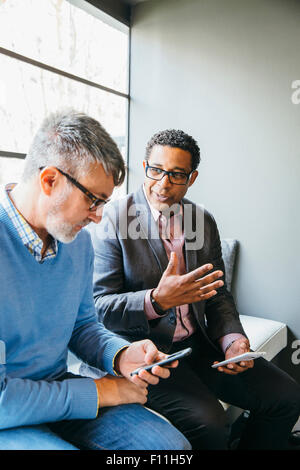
(130, 259)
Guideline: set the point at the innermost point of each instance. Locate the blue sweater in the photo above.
(44, 309)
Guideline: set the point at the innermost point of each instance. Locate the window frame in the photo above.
(98, 13)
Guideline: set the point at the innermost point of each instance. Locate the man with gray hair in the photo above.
(47, 306)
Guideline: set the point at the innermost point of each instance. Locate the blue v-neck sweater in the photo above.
(44, 308)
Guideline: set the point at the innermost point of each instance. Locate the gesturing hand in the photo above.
(174, 289)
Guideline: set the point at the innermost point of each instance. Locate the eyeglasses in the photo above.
(97, 203)
(175, 177)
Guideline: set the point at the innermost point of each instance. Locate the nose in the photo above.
(165, 182)
(96, 216)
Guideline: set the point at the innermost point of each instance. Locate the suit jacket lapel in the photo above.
(150, 229)
(190, 259)
(190, 254)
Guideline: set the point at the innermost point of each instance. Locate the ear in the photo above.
(144, 164)
(48, 179)
(193, 178)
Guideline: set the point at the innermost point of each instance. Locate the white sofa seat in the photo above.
(265, 335)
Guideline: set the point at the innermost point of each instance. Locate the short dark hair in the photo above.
(175, 138)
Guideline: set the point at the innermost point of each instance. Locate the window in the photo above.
(57, 54)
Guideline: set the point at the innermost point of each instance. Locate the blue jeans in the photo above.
(125, 427)
(32, 438)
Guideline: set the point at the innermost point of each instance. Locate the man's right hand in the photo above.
(113, 391)
(174, 289)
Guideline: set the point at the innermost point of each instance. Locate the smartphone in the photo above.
(170, 358)
(248, 356)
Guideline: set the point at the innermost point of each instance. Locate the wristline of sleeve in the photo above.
(83, 398)
(115, 372)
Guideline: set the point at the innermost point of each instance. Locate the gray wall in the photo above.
(222, 71)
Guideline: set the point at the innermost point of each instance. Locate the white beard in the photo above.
(60, 230)
(55, 224)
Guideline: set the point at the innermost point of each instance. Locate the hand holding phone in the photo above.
(170, 358)
(248, 356)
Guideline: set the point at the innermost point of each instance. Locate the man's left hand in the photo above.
(137, 355)
(239, 346)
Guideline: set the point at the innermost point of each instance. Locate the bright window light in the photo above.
(58, 54)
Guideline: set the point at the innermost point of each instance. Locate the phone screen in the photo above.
(170, 358)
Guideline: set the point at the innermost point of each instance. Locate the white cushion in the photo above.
(265, 335)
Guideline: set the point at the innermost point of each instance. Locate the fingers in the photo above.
(152, 353)
(227, 371)
(145, 378)
(161, 372)
(200, 274)
(205, 283)
(210, 287)
(200, 290)
(137, 380)
(172, 365)
(235, 368)
(175, 289)
(149, 378)
(209, 279)
(172, 265)
(207, 296)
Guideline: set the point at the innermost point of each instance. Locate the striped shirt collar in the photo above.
(28, 236)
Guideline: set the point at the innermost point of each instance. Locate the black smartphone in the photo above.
(170, 358)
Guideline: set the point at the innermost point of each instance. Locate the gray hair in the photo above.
(72, 141)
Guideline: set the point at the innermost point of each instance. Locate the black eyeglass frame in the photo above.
(165, 172)
(97, 202)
